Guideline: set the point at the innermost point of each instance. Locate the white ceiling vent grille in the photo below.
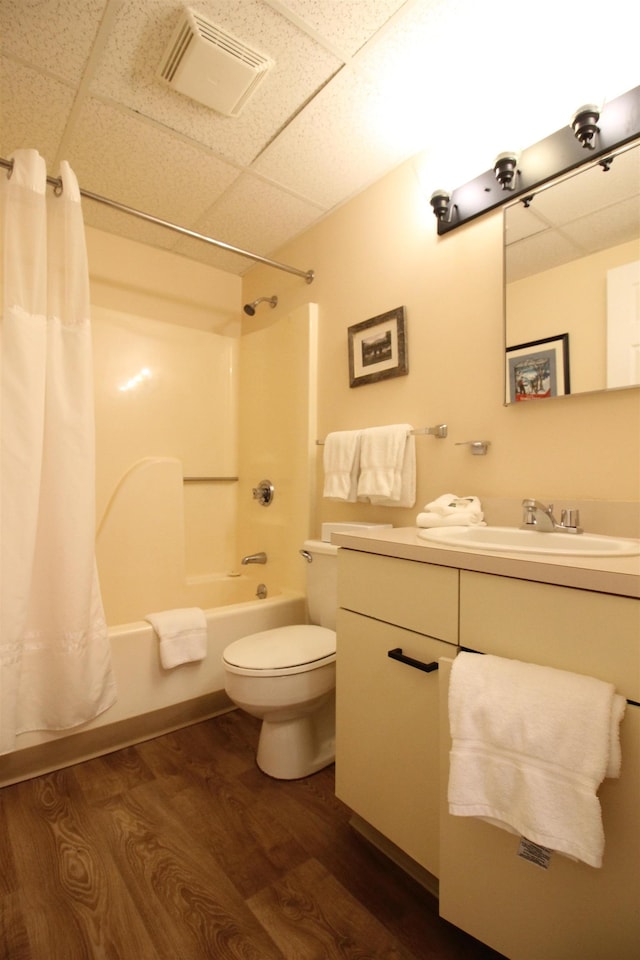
(210, 66)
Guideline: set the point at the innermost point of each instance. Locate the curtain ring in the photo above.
(58, 187)
(10, 169)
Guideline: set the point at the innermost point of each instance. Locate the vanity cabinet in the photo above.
(390, 741)
(387, 710)
(568, 910)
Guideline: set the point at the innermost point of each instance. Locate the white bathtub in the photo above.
(151, 700)
(141, 679)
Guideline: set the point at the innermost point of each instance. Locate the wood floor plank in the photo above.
(310, 915)
(252, 849)
(65, 878)
(14, 939)
(182, 895)
(8, 879)
(111, 774)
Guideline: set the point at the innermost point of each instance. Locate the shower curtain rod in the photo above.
(307, 275)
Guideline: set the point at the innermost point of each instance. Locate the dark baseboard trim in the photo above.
(87, 744)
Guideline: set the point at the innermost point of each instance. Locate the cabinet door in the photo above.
(567, 911)
(387, 733)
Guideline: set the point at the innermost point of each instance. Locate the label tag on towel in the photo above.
(534, 853)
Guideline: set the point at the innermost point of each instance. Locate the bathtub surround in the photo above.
(55, 664)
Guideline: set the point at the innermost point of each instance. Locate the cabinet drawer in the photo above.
(418, 596)
(387, 733)
(595, 634)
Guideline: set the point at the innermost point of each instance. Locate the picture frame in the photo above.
(378, 348)
(538, 369)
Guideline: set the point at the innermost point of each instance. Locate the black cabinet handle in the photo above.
(397, 654)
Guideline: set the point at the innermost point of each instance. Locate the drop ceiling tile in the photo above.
(121, 224)
(127, 159)
(128, 73)
(336, 147)
(345, 24)
(254, 216)
(34, 111)
(50, 35)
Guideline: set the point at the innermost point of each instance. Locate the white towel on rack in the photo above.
(530, 747)
(341, 459)
(182, 634)
(451, 511)
(388, 466)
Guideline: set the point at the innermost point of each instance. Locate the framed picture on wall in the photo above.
(538, 369)
(378, 348)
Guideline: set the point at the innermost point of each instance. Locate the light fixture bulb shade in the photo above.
(505, 168)
(439, 200)
(584, 124)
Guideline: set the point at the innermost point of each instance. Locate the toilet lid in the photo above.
(285, 648)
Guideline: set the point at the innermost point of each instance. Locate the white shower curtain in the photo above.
(55, 666)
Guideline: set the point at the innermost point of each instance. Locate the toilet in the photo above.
(287, 677)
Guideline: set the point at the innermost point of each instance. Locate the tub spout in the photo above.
(254, 558)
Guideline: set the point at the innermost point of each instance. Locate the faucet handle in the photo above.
(570, 518)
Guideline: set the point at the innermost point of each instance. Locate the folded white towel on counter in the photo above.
(182, 634)
(388, 465)
(451, 511)
(530, 747)
(341, 459)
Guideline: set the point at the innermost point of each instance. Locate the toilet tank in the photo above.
(322, 583)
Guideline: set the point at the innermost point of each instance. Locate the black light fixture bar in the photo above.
(618, 123)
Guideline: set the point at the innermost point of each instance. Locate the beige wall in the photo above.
(380, 251)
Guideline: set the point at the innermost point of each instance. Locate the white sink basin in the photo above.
(514, 540)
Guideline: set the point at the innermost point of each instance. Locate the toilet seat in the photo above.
(282, 651)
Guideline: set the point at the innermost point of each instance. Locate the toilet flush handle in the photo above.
(307, 556)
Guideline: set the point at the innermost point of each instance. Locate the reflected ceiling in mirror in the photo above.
(572, 267)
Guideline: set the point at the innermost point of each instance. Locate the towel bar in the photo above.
(397, 654)
(632, 703)
(440, 431)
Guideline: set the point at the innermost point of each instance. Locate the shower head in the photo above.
(250, 308)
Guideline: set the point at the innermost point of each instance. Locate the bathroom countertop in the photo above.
(614, 575)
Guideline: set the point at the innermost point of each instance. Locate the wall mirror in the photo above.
(572, 282)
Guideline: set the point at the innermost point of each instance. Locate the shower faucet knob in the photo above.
(264, 493)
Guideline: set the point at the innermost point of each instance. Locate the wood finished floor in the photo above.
(181, 849)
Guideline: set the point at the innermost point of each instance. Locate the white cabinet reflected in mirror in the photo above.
(572, 282)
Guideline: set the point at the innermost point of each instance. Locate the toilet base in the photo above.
(292, 749)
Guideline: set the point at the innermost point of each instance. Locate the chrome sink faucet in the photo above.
(538, 516)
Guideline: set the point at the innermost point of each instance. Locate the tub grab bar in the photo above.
(210, 479)
(397, 654)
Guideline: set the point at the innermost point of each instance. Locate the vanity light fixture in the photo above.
(439, 200)
(602, 130)
(505, 167)
(584, 124)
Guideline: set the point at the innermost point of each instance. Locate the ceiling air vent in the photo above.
(210, 66)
